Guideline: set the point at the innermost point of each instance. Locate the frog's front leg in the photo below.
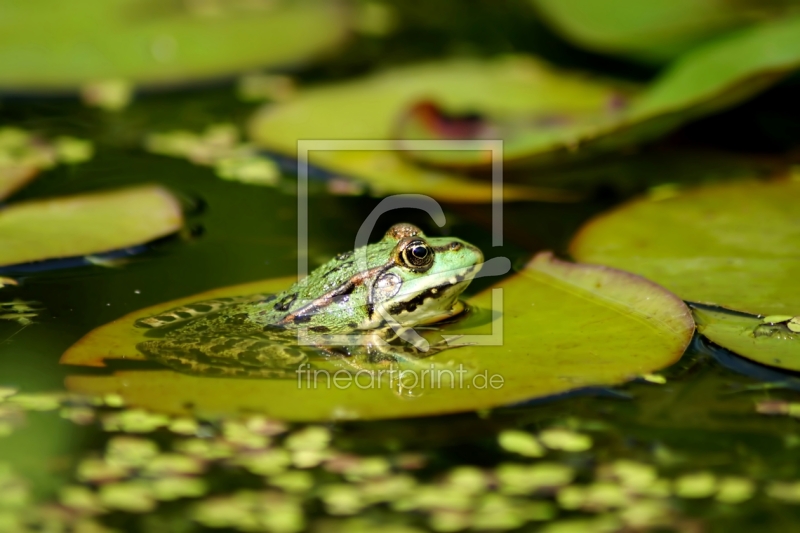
(248, 357)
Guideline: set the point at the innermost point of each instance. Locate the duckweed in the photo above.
(108, 95)
(128, 496)
(238, 434)
(735, 490)
(387, 489)
(176, 487)
(173, 464)
(218, 146)
(696, 485)
(134, 421)
(205, 448)
(367, 468)
(499, 512)
(311, 438)
(629, 474)
(294, 481)
(597, 497)
(529, 479)
(342, 499)
(565, 440)
(130, 452)
(184, 426)
(521, 443)
(266, 462)
(100, 471)
(468, 479)
(81, 499)
(787, 491)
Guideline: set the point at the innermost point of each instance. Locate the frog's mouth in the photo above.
(437, 302)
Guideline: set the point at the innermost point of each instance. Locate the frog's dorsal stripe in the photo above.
(193, 310)
(299, 315)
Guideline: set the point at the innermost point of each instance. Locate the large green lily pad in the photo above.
(733, 245)
(748, 336)
(54, 45)
(711, 77)
(562, 326)
(654, 31)
(86, 224)
(369, 109)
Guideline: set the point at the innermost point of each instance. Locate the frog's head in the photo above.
(424, 276)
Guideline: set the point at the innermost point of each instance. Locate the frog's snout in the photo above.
(472, 259)
(472, 256)
(478, 256)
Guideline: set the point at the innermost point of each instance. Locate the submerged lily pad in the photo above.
(559, 327)
(85, 224)
(654, 31)
(369, 108)
(712, 77)
(748, 336)
(52, 45)
(732, 245)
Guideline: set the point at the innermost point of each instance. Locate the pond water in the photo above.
(702, 419)
(717, 464)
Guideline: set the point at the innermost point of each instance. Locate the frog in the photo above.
(360, 308)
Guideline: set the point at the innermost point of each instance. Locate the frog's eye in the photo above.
(417, 255)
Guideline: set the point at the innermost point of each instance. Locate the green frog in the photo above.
(360, 307)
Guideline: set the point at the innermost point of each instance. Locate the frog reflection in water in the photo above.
(374, 294)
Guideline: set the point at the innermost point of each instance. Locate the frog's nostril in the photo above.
(455, 245)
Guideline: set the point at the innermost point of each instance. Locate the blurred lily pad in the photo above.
(732, 245)
(23, 154)
(660, 171)
(655, 31)
(749, 336)
(85, 224)
(13, 178)
(557, 326)
(52, 45)
(369, 109)
(708, 79)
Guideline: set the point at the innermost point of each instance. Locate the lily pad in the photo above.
(750, 337)
(52, 45)
(369, 108)
(708, 79)
(659, 171)
(13, 178)
(732, 245)
(23, 154)
(729, 245)
(86, 224)
(655, 31)
(591, 326)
